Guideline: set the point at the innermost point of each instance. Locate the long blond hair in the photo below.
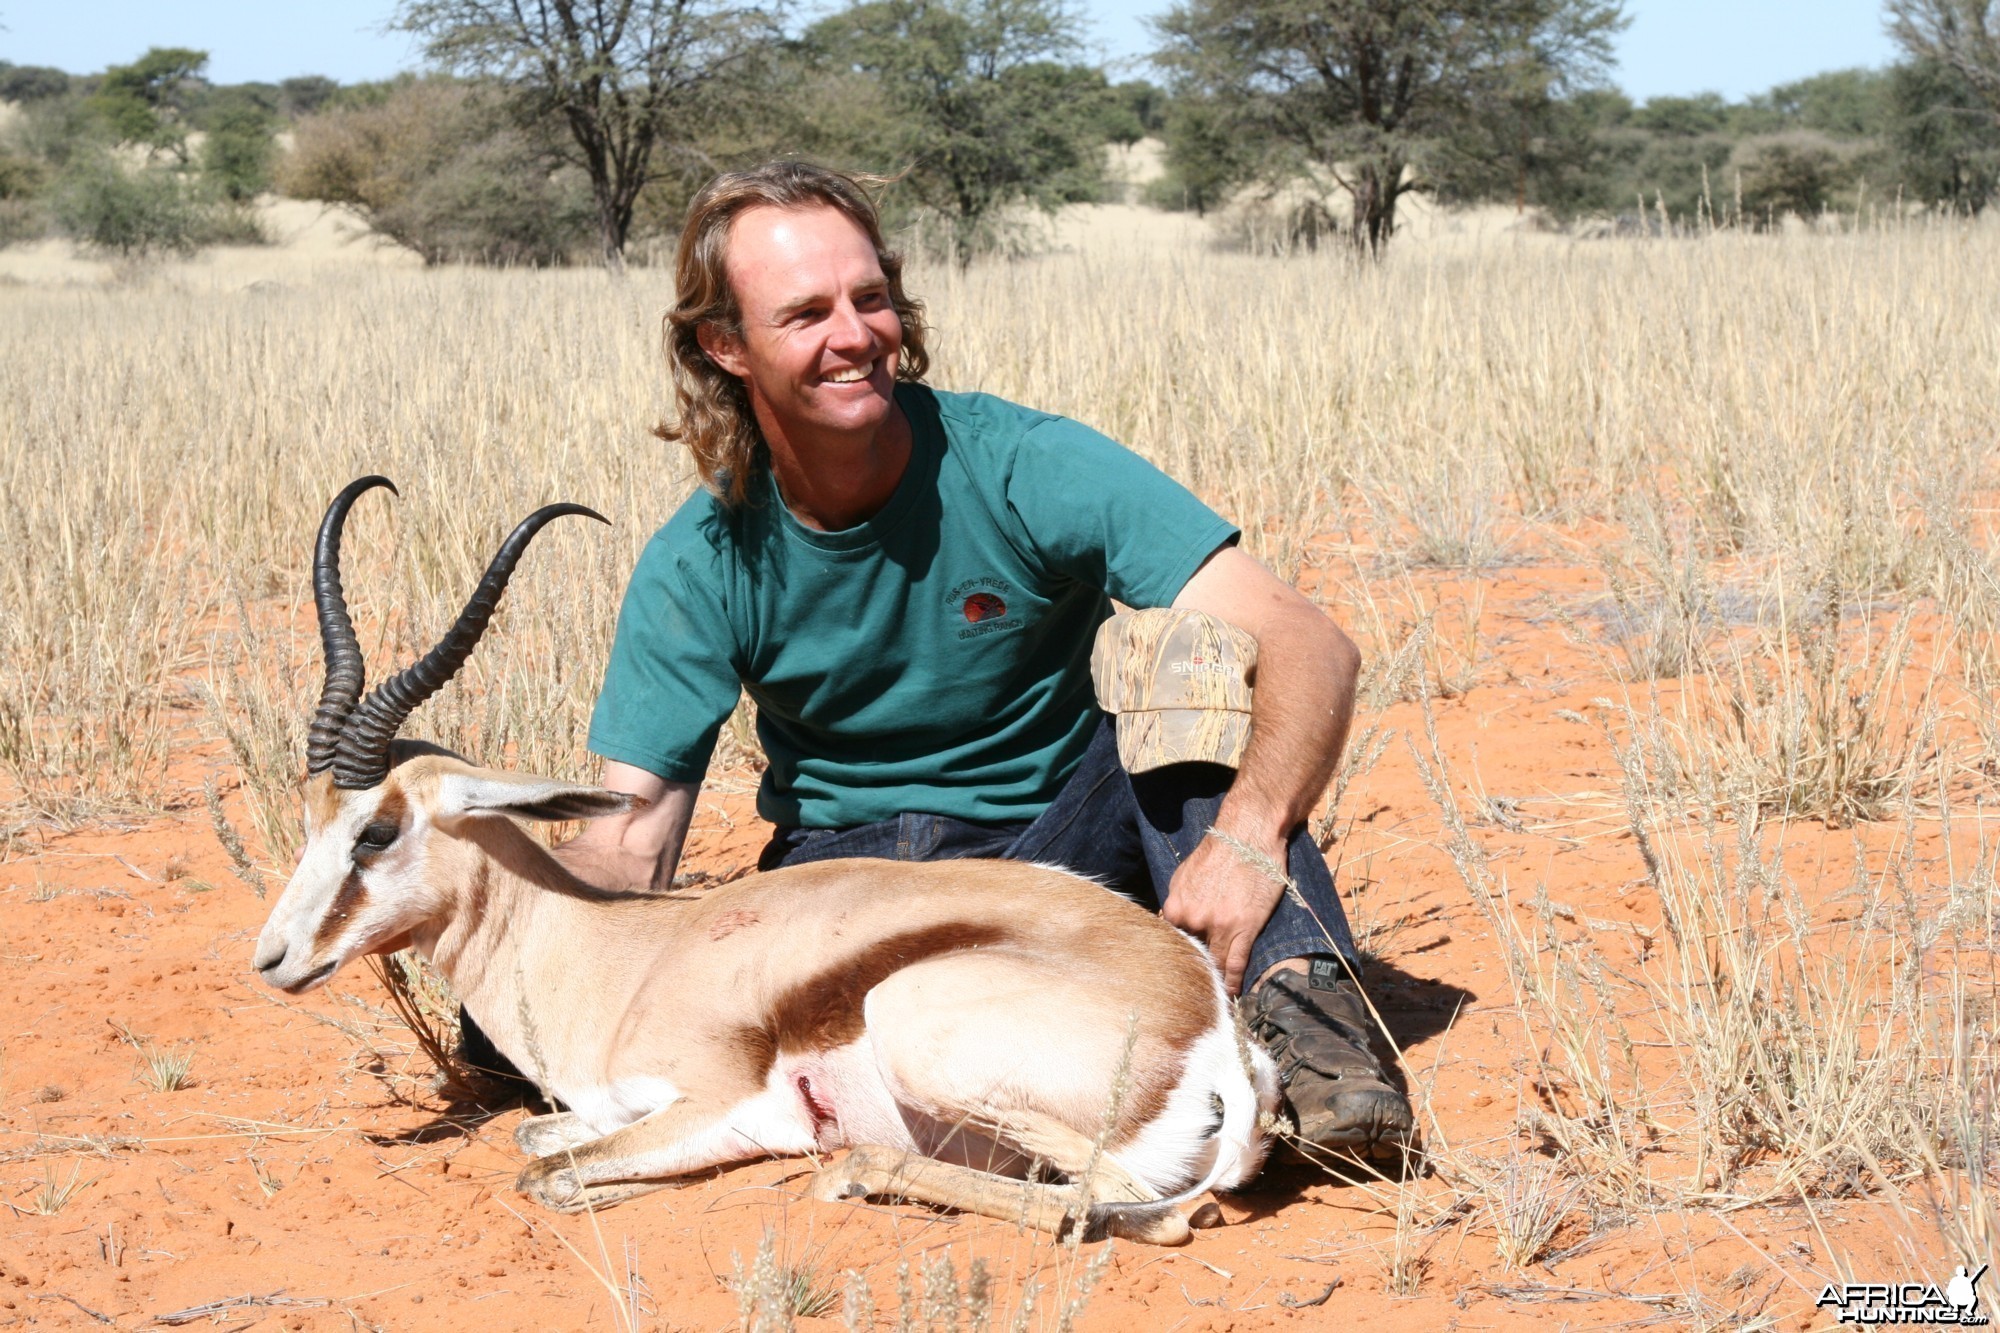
(714, 418)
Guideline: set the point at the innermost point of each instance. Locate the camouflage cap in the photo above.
(1179, 683)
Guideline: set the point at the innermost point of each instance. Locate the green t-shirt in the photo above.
(935, 658)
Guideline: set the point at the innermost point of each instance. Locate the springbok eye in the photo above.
(377, 836)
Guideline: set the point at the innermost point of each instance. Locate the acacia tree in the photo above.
(1363, 90)
(627, 79)
(147, 102)
(1961, 35)
(985, 104)
(1947, 143)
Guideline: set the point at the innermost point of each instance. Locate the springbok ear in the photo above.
(489, 793)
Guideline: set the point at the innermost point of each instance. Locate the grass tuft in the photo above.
(772, 1294)
(55, 1195)
(162, 1071)
(1530, 1201)
(165, 1071)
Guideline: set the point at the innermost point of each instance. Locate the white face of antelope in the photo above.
(360, 882)
(377, 863)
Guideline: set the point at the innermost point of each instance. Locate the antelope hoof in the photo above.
(545, 1134)
(559, 1191)
(834, 1184)
(1166, 1229)
(1152, 1227)
(552, 1185)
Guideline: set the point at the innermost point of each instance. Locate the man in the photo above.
(908, 582)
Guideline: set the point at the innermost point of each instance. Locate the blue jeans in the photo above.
(1129, 831)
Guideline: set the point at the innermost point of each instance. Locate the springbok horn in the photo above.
(345, 671)
(362, 757)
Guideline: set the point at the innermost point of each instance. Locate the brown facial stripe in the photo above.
(393, 807)
(347, 900)
(825, 1011)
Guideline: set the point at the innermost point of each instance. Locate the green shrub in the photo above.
(1206, 157)
(305, 94)
(1841, 103)
(56, 130)
(103, 205)
(1794, 173)
(1682, 117)
(433, 166)
(22, 220)
(1946, 144)
(22, 182)
(237, 153)
(21, 177)
(31, 83)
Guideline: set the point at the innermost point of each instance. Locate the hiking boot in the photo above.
(1317, 1030)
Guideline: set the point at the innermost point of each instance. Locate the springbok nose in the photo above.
(268, 957)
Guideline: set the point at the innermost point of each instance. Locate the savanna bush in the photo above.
(436, 167)
(101, 204)
(22, 181)
(1796, 173)
(104, 204)
(31, 83)
(238, 150)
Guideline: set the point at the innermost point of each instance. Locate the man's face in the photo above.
(820, 338)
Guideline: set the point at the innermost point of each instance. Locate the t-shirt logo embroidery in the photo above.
(984, 606)
(983, 603)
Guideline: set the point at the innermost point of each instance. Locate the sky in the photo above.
(1734, 47)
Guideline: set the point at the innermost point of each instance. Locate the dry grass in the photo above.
(160, 1070)
(1786, 440)
(1749, 1054)
(165, 1071)
(772, 1293)
(169, 449)
(56, 1193)
(422, 1001)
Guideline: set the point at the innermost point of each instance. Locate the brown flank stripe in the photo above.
(824, 1011)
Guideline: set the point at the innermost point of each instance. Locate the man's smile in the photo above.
(852, 374)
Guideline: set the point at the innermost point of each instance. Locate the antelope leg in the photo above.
(1067, 1151)
(892, 1173)
(594, 1197)
(1100, 1176)
(541, 1135)
(692, 1134)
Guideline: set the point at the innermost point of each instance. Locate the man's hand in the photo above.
(1225, 900)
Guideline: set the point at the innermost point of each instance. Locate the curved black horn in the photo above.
(362, 759)
(345, 671)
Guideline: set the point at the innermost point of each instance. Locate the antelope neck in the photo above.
(501, 935)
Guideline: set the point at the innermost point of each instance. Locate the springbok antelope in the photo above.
(957, 1023)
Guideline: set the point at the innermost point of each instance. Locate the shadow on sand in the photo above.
(1414, 1009)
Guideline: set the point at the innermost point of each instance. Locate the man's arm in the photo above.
(1299, 714)
(638, 850)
